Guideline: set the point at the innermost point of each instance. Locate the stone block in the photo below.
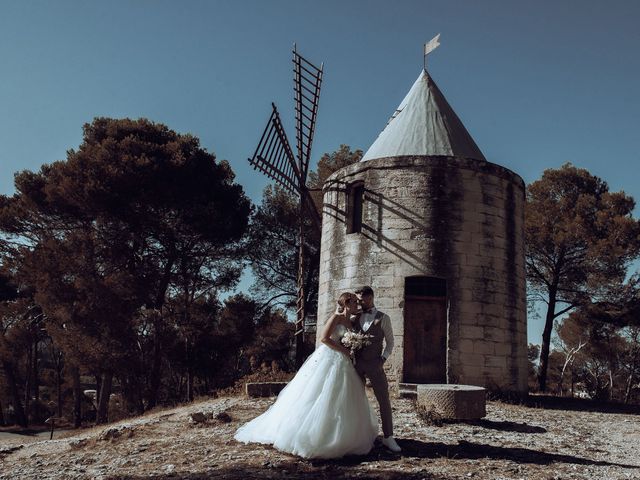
(399, 223)
(468, 358)
(487, 299)
(485, 348)
(474, 260)
(466, 346)
(471, 332)
(489, 320)
(493, 309)
(465, 248)
(465, 296)
(494, 334)
(351, 272)
(399, 234)
(381, 292)
(323, 288)
(456, 402)
(496, 362)
(382, 281)
(384, 303)
(465, 318)
(472, 371)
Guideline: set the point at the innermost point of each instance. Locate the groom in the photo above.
(370, 359)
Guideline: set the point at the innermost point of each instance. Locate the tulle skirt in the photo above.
(322, 413)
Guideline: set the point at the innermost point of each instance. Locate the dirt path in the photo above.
(512, 442)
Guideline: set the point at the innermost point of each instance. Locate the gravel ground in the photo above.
(511, 442)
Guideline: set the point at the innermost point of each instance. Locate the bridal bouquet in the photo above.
(355, 341)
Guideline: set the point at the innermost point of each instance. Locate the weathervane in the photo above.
(429, 47)
(274, 157)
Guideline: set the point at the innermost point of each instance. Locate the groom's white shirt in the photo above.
(366, 319)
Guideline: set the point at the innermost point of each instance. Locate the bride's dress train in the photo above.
(322, 413)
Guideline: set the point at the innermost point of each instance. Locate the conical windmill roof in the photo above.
(424, 124)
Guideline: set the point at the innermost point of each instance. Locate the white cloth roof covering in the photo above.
(424, 124)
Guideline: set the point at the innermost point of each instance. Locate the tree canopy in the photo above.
(135, 218)
(580, 239)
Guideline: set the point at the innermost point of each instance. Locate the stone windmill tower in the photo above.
(437, 231)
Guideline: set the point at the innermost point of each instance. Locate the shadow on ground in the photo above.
(471, 450)
(292, 470)
(474, 451)
(507, 426)
(27, 432)
(388, 466)
(552, 402)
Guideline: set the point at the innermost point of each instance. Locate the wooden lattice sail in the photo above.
(274, 157)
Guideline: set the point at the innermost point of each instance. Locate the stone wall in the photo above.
(457, 219)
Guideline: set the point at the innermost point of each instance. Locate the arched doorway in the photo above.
(425, 330)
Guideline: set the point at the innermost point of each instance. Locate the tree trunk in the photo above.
(27, 382)
(59, 386)
(546, 340)
(132, 394)
(611, 395)
(102, 415)
(98, 388)
(156, 374)
(564, 367)
(21, 418)
(190, 384)
(189, 372)
(630, 378)
(627, 390)
(36, 383)
(573, 382)
(154, 382)
(2, 424)
(77, 397)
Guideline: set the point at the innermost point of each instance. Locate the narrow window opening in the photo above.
(355, 199)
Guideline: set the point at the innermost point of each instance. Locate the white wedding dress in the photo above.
(322, 413)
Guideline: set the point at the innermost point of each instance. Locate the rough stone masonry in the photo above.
(444, 217)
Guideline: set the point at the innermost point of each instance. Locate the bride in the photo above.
(323, 412)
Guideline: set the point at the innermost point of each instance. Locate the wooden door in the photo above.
(425, 339)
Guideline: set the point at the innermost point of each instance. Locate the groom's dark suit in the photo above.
(369, 364)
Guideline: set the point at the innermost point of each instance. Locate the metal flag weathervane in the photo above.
(274, 157)
(430, 46)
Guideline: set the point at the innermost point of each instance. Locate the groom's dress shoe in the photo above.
(391, 444)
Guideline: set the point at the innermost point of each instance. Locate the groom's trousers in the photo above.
(372, 369)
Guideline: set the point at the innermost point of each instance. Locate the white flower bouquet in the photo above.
(355, 341)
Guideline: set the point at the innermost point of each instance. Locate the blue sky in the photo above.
(537, 84)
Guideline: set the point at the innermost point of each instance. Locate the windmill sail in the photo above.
(307, 79)
(274, 157)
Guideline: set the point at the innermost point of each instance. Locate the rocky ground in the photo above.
(196, 442)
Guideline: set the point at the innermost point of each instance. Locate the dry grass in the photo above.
(514, 441)
(429, 416)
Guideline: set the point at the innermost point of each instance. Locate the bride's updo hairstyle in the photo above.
(342, 301)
